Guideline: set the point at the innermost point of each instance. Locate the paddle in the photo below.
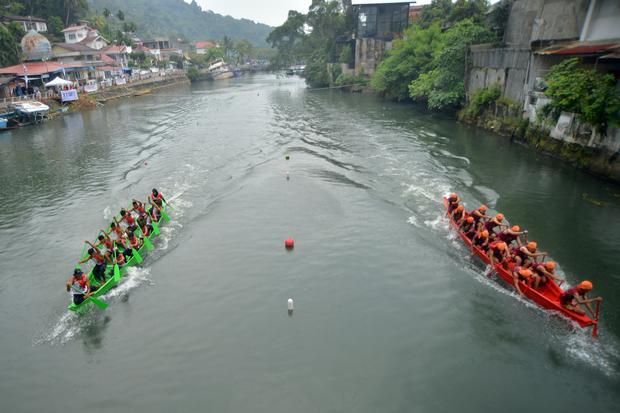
(165, 216)
(101, 304)
(595, 329)
(155, 227)
(147, 242)
(117, 271)
(136, 255)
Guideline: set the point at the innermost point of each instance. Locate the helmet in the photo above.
(470, 219)
(531, 246)
(525, 273)
(515, 228)
(550, 265)
(585, 285)
(501, 246)
(499, 217)
(483, 208)
(460, 208)
(485, 233)
(77, 271)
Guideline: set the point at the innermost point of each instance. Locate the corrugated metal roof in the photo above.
(579, 49)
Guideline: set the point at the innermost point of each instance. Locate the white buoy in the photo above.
(290, 305)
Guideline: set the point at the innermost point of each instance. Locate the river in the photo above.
(391, 312)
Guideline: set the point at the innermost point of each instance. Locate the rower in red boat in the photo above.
(480, 240)
(468, 227)
(525, 256)
(572, 298)
(479, 216)
(522, 274)
(453, 202)
(511, 234)
(495, 222)
(546, 272)
(459, 215)
(498, 253)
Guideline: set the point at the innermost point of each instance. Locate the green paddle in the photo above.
(155, 227)
(137, 255)
(147, 242)
(101, 304)
(117, 271)
(165, 216)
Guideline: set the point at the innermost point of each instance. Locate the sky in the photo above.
(271, 12)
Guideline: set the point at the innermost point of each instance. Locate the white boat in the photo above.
(31, 111)
(219, 70)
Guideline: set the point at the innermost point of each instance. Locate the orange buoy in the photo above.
(289, 243)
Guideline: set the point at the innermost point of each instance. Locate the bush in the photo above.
(483, 99)
(591, 95)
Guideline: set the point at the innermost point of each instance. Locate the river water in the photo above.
(391, 312)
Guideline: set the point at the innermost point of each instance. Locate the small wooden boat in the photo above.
(142, 92)
(547, 295)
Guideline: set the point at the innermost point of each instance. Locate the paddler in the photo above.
(498, 253)
(572, 298)
(468, 227)
(522, 274)
(479, 216)
(495, 222)
(480, 240)
(525, 256)
(138, 207)
(155, 194)
(79, 285)
(126, 217)
(508, 235)
(100, 263)
(546, 272)
(459, 215)
(453, 202)
(134, 241)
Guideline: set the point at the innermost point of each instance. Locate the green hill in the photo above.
(175, 17)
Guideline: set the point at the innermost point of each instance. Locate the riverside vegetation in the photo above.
(429, 63)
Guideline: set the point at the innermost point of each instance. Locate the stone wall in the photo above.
(368, 54)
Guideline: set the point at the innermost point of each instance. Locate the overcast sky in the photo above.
(271, 12)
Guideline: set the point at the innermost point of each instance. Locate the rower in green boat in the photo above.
(135, 242)
(79, 285)
(100, 261)
(155, 194)
(126, 217)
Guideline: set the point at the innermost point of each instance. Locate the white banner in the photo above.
(69, 95)
(90, 87)
(120, 81)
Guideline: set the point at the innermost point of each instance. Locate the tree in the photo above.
(443, 86)
(243, 49)
(74, 8)
(287, 39)
(120, 15)
(408, 59)
(106, 13)
(10, 48)
(227, 46)
(54, 24)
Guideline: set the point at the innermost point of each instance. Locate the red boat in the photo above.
(546, 296)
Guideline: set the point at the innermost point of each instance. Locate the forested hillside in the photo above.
(175, 17)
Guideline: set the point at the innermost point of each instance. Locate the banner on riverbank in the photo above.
(120, 81)
(69, 95)
(90, 87)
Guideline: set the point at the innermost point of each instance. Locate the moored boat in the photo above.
(219, 70)
(546, 296)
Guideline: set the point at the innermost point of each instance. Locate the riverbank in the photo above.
(503, 118)
(140, 88)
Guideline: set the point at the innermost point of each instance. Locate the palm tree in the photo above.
(120, 15)
(106, 13)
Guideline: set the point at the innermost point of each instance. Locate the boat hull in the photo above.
(546, 296)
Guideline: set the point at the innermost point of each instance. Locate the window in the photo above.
(71, 36)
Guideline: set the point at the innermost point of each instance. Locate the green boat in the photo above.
(116, 274)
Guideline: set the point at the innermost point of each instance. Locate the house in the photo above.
(75, 53)
(119, 54)
(27, 22)
(378, 23)
(201, 47)
(157, 43)
(85, 35)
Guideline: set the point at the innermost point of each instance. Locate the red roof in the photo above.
(204, 45)
(107, 59)
(36, 68)
(115, 49)
(576, 49)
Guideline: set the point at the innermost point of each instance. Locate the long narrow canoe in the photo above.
(547, 295)
(112, 281)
